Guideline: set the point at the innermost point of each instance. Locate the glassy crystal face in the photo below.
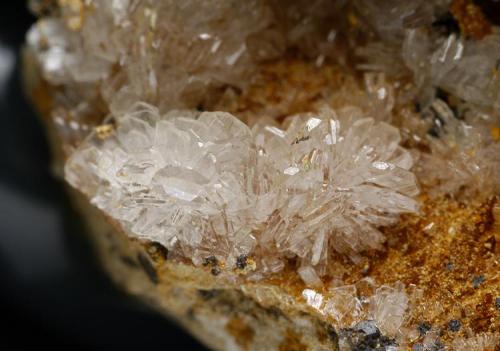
(105, 56)
(207, 184)
(169, 53)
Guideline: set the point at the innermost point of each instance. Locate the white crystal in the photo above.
(196, 182)
(313, 298)
(335, 189)
(480, 342)
(181, 175)
(173, 54)
(388, 307)
(309, 276)
(343, 305)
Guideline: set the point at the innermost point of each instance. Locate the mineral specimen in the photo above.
(289, 175)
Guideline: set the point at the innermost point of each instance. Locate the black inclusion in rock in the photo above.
(209, 294)
(478, 280)
(365, 336)
(437, 125)
(332, 335)
(454, 325)
(450, 266)
(241, 261)
(434, 131)
(423, 328)
(210, 260)
(442, 94)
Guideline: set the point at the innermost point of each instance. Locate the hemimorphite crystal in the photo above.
(205, 184)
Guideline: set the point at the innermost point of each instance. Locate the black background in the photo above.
(52, 292)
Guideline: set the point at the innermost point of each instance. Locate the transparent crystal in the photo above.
(343, 305)
(194, 181)
(388, 307)
(313, 298)
(309, 276)
(481, 342)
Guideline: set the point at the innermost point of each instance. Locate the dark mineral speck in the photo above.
(365, 336)
(385, 342)
(417, 347)
(210, 260)
(275, 312)
(418, 107)
(208, 294)
(241, 261)
(443, 95)
(332, 335)
(449, 266)
(478, 280)
(497, 302)
(423, 328)
(434, 132)
(454, 325)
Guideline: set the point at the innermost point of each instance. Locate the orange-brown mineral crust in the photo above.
(288, 87)
(471, 19)
(291, 342)
(242, 333)
(450, 252)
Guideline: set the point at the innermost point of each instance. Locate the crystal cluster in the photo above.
(472, 154)
(184, 56)
(422, 39)
(451, 57)
(483, 342)
(169, 53)
(271, 136)
(208, 184)
(385, 308)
